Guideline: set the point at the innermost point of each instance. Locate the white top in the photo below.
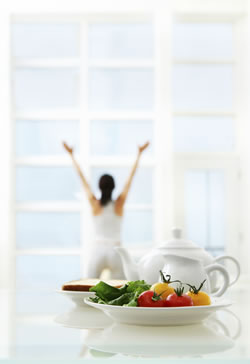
(107, 226)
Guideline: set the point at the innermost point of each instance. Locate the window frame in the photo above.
(112, 10)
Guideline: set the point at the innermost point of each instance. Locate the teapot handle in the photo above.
(218, 267)
(235, 261)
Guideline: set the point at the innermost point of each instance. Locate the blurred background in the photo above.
(106, 76)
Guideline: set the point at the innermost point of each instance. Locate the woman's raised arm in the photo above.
(123, 196)
(91, 197)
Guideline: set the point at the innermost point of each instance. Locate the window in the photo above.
(90, 83)
(204, 129)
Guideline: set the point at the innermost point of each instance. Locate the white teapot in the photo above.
(149, 265)
(192, 272)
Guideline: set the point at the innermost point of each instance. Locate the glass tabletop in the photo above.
(34, 328)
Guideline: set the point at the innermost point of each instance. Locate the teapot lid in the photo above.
(177, 242)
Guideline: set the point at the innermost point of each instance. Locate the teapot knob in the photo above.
(177, 233)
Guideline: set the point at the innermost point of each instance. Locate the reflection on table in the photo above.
(76, 332)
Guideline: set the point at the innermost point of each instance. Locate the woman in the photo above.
(107, 217)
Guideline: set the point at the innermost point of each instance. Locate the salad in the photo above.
(125, 296)
(140, 294)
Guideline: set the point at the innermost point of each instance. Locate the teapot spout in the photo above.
(129, 265)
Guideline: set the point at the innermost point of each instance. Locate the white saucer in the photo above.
(76, 296)
(160, 316)
(83, 318)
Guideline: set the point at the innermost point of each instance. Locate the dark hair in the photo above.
(106, 185)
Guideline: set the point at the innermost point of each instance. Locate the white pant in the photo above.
(102, 255)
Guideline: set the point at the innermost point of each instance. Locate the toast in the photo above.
(84, 285)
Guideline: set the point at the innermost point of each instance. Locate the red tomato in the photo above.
(150, 299)
(174, 300)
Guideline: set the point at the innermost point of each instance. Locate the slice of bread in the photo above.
(84, 285)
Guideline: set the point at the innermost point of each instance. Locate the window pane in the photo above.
(196, 208)
(120, 89)
(141, 190)
(203, 41)
(47, 230)
(205, 216)
(49, 89)
(121, 41)
(203, 134)
(216, 205)
(36, 273)
(45, 137)
(138, 227)
(202, 87)
(45, 40)
(119, 137)
(46, 183)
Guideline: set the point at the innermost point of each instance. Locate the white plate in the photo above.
(76, 296)
(160, 316)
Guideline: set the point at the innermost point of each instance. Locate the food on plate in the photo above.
(179, 299)
(150, 299)
(163, 288)
(124, 296)
(139, 293)
(84, 285)
(199, 297)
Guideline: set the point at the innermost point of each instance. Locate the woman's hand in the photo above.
(69, 150)
(142, 148)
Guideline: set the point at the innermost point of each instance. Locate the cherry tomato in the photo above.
(199, 297)
(150, 299)
(179, 299)
(162, 289)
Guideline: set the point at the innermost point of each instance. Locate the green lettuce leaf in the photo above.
(107, 292)
(124, 296)
(138, 286)
(122, 300)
